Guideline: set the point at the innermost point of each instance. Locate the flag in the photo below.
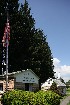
(6, 32)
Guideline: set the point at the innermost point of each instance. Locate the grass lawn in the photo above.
(68, 103)
(68, 94)
(68, 91)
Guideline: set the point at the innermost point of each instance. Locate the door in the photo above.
(1, 86)
(26, 86)
(30, 87)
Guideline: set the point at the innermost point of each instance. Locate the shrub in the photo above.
(55, 89)
(40, 98)
(47, 98)
(52, 98)
(19, 97)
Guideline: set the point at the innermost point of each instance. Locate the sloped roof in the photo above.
(58, 82)
(26, 70)
(13, 73)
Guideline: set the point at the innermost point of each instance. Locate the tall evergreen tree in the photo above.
(28, 47)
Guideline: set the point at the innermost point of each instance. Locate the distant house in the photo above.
(25, 80)
(61, 86)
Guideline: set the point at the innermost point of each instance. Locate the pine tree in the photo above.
(28, 47)
(23, 30)
(54, 88)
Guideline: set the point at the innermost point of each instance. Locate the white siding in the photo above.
(26, 77)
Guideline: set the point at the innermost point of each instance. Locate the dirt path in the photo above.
(65, 101)
(0, 103)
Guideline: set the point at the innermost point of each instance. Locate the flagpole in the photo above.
(5, 42)
(7, 62)
(7, 54)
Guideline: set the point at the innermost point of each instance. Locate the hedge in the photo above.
(19, 97)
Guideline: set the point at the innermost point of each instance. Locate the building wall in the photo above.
(21, 80)
(21, 86)
(62, 90)
(35, 87)
(45, 88)
(26, 77)
(10, 84)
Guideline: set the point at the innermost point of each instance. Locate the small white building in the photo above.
(25, 80)
(28, 80)
(61, 86)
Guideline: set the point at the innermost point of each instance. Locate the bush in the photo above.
(40, 98)
(47, 98)
(52, 98)
(19, 97)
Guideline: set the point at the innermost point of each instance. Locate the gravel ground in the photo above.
(65, 101)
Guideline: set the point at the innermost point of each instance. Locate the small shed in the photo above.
(61, 86)
(25, 80)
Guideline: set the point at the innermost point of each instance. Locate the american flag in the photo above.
(6, 32)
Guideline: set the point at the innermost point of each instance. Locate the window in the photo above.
(26, 77)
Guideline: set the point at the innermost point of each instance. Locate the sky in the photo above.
(53, 17)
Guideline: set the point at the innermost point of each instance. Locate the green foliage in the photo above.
(67, 84)
(68, 90)
(28, 48)
(19, 97)
(68, 103)
(53, 98)
(54, 88)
